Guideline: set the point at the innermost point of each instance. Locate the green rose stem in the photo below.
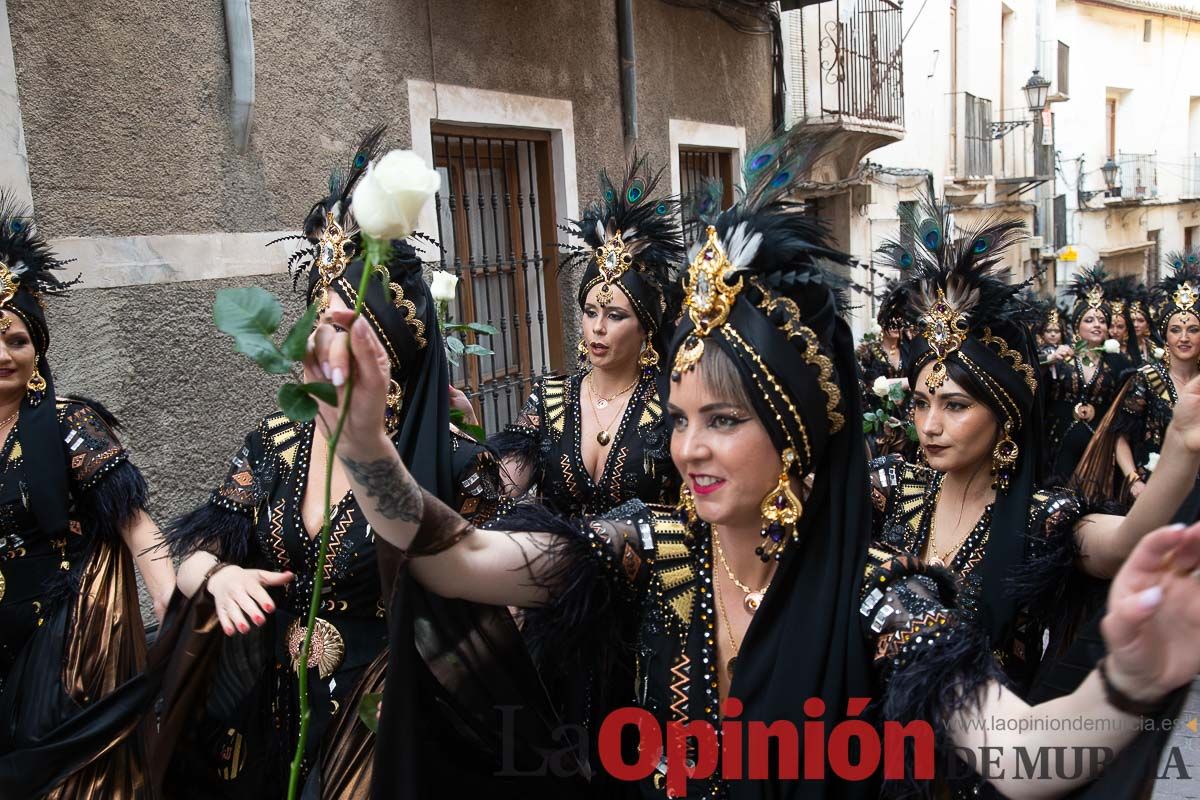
(375, 253)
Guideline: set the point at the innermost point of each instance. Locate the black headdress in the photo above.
(1089, 288)
(634, 243)
(404, 317)
(1179, 292)
(894, 309)
(27, 270)
(756, 289)
(973, 318)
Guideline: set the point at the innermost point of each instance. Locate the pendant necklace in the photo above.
(602, 402)
(731, 664)
(603, 437)
(754, 597)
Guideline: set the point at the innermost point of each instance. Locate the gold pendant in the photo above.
(603, 438)
(753, 601)
(936, 562)
(601, 403)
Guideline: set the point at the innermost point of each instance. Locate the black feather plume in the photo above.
(25, 252)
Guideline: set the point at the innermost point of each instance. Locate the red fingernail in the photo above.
(268, 608)
(243, 627)
(228, 631)
(258, 620)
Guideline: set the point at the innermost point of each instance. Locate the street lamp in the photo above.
(1036, 89)
(1111, 174)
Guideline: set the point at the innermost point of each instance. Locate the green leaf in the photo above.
(296, 343)
(478, 350)
(247, 310)
(474, 431)
(321, 391)
(455, 344)
(912, 433)
(868, 426)
(480, 327)
(869, 416)
(457, 416)
(368, 710)
(296, 403)
(250, 315)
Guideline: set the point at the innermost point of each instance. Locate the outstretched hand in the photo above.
(342, 346)
(1152, 628)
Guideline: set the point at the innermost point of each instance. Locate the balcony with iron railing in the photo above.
(1138, 176)
(971, 138)
(1191, 177)
(1026, 150)
(844, 69)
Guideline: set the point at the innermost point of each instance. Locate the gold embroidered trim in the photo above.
(1012, 355)
(812, 354)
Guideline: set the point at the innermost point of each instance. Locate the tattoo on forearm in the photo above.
(399, 496)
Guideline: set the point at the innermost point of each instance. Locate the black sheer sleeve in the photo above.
(931, 661)
(521, 441)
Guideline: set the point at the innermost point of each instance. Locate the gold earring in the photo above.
(686, 507)
(395, 402)
(780, 511)
(583, 352)
(1004, 456)
(648, 360)
(36, 388)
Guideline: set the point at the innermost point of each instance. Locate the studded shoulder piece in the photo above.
(92, 448)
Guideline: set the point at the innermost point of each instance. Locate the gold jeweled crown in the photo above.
(612, 259)
(1184, 297)
(945, 329)
(333, 254)
(708, 298)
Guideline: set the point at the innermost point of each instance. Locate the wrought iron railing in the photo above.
(1138, 176)
(858, 67)
(1191, 176)
(972, 133)
(496, 227)
(698, 169)
(1026, 147)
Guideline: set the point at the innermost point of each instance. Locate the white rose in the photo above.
(443, 285)
(1151, 461)
(389, 197)
(1112, 346)
(1159, 353)
(881, 386)
(875, 330)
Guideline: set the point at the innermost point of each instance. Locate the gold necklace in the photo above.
(944, 559)
(10, 418)
(732, 662)
(754, 597)
(602, 402)
(603, 436)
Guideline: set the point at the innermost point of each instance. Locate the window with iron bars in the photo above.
(697, 167)
(496, 227)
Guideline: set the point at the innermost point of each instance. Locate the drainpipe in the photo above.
(628, 75)
(239, 35)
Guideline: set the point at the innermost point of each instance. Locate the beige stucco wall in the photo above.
(126, 110)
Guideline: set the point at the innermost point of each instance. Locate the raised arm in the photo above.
(448, 555)
(1150, 630)
(1106, 541)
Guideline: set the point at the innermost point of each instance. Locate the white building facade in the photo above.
(969, 134)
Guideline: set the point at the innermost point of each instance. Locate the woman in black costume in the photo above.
(979, 506)
(250, 551)
(72, 522)
(1087, 382)
(883, 358)
(762, 364)
(1131, 437)
(597, 438)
